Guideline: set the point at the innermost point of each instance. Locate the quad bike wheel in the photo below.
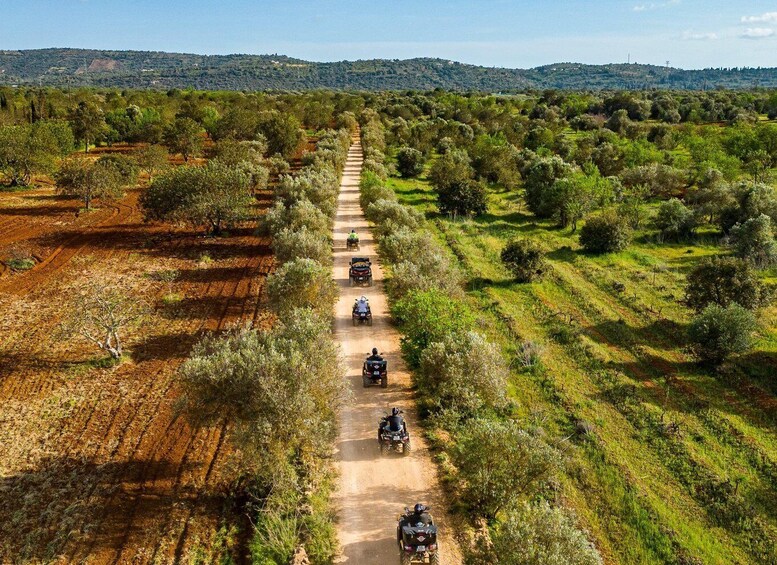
(405, 558)
(369, 281)
(354, 321)
(383, 448)
(435, 559)
(350, 280)
(365, 382)
(383, 382)
(369, 321)
(406, 448)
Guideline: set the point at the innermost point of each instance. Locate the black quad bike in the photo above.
(360, 272)
(393, 435)
(352, 243)
(361, 315)
(417, 539)
(374, 372)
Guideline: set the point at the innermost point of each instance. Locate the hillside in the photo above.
(148, 69)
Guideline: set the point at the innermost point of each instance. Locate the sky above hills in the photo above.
(506, 33)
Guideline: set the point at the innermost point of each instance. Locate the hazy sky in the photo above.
(509, 33)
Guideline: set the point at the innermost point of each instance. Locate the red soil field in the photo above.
(98, 466)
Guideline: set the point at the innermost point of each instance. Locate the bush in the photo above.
(319, 186)
(397, 215)
(524, 259)
(541, 175)
(126, 168)
(410, 162)
(675, 220)
(538, 534)
(754, 240)
(464, 373)
(719, 332)
(430, 271)
(499, 462)
(724, 281)
(606, 233)
(405, 244)
(301, 214)
(427, 317)
(302, 283)
(462, 198)
(279, 388)
(302, 244)
(372, 189)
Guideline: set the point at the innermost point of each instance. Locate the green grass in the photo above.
(23, 264)
(647, 491)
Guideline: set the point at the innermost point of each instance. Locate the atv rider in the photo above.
(419, 516)
(353, 236)
(362, 305)
(374, 356)
(394, 423)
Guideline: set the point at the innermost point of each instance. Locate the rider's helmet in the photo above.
(353, 231)
(374, 350)
(419, 508)
(395, 411)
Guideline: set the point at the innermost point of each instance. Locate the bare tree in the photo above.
(101, 312)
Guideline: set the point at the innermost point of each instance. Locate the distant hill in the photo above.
(151, 69)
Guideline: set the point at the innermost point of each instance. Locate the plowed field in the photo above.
(97, 466)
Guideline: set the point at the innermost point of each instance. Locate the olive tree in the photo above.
(462, 198)
(183, 136)
(302, 283)
(101, 311)
(214, 195)
(539, 534)
(499, 462)
(410, 162)
(524, 259)
(279, 388)
(302, 244)
(88, 181)
(606, 233)
(724, 281)
(26, 150)
(88, 123)
(152, 159)
(718, 332)
(464, 372)
(754, 240)
(675, 220)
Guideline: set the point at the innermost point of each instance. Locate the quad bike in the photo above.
(361, 313)
(352, 243)
(393, 435)
(374, 372)
(417, 539)
(360, 271)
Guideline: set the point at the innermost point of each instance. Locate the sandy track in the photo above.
(373, 490)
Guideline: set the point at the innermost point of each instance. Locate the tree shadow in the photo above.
(163, 347)
(66, 504)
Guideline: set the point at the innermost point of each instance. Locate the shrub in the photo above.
(410, 162)
(605, 233)
(499, 462)
(427, 317)
(126, 168)
(376, 168)
(718, 332)
(302, 283)
(382, 211)
(302, 244)
(215, 195)
(524, 259)
(301, 214)
(754, 240)
(405, 244)
(464, 373)
(538, 534)
(675, 220)
(430, 271)
(724, 281)
(372, 190)
(454, 166)
(462, 198)
(319, 186)
(541, 174)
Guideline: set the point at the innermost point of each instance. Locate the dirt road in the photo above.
(373, 490)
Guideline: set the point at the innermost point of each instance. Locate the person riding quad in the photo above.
(419, 515)
(394, 423)
(374, 356)
(362, 305)
(353, 236)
